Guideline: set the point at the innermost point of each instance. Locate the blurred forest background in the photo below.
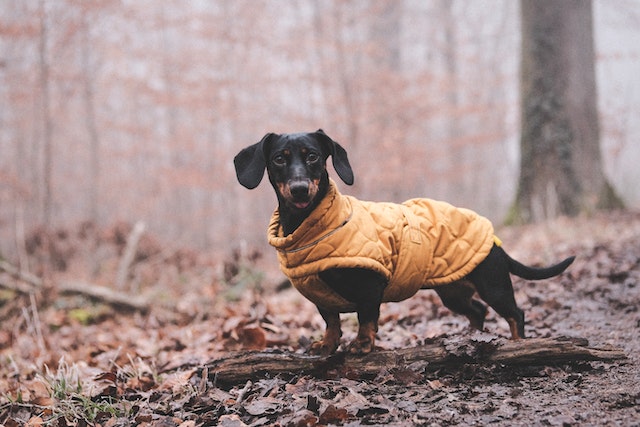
(122, 110)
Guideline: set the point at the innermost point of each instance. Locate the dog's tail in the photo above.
(532, 273)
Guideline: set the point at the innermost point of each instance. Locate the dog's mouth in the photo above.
(301, 205)
(299, 195)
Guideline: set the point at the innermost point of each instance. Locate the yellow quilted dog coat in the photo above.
(420, 243)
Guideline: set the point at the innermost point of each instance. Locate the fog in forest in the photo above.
(133, 110)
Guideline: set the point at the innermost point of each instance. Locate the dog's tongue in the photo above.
(301, 205)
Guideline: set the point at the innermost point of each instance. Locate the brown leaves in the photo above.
(304, 402)
(143, 369)
(257, 331)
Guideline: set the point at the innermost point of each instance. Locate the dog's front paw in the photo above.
(365, 340)
(323, 347)
(361, 345)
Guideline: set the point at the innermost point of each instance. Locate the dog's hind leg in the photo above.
(504, 303)
(506, 307)
(458, 297)
(493, 283)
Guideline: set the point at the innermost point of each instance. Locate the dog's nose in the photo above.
(299, 189)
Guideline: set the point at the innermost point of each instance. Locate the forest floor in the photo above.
(71, 359)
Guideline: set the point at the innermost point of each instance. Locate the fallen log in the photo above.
(108, 296)
(240, 367)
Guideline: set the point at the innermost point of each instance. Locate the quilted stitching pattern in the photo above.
(419, 243)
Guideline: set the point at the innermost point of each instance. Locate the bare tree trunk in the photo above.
(92, 129)
(47, 125)
(453, 100)
(346, 83)
(450, 60)
(561, 168)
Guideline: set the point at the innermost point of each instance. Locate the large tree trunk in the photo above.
(561, 168)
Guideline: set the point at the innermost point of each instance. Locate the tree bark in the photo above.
(561, 169)
(240, 367)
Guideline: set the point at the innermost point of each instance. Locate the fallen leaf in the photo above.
(333, 415)
(435, 384)
(43, 401)
(252, 338)
(107, 376)
(35, 422)
(231, 420)
(303, 418)
(264, 406)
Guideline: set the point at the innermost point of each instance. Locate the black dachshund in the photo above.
(348, 255)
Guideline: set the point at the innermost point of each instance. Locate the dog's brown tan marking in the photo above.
(332, 334)
(513, 327)
(285, 190)
(313, 188)
(366, 338)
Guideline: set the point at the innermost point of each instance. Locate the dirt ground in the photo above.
(68, 359)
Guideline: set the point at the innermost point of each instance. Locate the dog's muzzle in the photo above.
(299, 193)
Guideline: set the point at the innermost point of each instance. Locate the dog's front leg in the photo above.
(331, 340)
(365, 289)
(364, 342)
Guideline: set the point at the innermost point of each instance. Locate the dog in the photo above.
(347, 255)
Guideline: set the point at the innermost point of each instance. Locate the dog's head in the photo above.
(296, 165)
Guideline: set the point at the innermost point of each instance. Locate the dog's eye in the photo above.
(312, 157)
(279, 160)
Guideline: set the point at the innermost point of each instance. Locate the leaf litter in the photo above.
(72, 361)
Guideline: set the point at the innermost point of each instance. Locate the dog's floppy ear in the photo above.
(338, 156)
(250, 162)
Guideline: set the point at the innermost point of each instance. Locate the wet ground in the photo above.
(106, 367)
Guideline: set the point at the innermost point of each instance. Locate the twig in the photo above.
(129, 254)
(37, 324)
(25, 276)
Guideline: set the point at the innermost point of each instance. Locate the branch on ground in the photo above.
(26, 283)
(240, 367)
